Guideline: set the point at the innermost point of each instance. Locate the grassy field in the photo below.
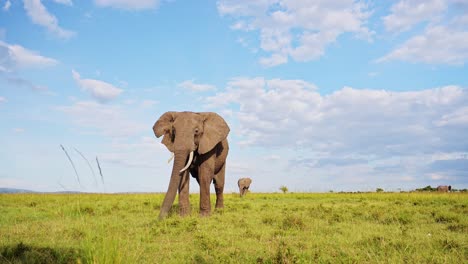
(259, 228)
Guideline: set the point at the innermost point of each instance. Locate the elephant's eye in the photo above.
(197, 131)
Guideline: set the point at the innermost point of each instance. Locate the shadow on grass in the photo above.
(22, 253)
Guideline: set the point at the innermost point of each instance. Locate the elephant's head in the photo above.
(185, 133)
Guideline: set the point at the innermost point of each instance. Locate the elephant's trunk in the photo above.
(179, 162)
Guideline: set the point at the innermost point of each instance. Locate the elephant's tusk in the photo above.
(189, 162)
(172, 157)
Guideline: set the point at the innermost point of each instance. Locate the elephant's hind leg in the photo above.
(219, 187)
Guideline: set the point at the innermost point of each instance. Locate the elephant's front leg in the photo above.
(184, 202)
(205, 176)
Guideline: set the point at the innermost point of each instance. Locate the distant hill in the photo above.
(13, 190)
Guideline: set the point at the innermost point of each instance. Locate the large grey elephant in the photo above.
(444, 188)
(244, 185)
(200, 146)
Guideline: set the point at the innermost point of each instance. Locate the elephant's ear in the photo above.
(164, 127)
(215, 130)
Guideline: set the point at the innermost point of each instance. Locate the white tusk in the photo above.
(189, 162)
(172, 157)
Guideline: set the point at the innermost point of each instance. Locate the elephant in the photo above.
(444, 188)
(200, 146)
(244, 184)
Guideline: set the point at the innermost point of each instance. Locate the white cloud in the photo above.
(443, 40)
(64, 2)
(103, 119)
(100, 90)
(128, 143)
(148, 103)
(272, 158)
(458, 117)
(437, 45)
(16, 182)
(16, 56)
(297, 29)
(7, 5)
(39, 15)
(313, 45)
(195, 87)
(460, 21)
(407, 178)
(436, 176)
(405, 14)
(128, 4)
(3, 99)
(19, 82)
(350, 132)
(274, 60)
(18, 130)
(146, 152)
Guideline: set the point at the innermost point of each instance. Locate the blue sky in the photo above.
(320, 95)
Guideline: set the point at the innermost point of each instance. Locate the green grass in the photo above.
(259, 228)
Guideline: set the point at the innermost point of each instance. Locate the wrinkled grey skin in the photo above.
(206, 135)
(444, 188)
(244, 184)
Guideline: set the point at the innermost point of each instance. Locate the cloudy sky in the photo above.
(320, 95)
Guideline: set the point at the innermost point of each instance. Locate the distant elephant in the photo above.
(244, 184)
(200, 146)
(444, 188)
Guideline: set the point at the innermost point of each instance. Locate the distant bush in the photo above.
(427, 189)
(284, 189)
(379, 190)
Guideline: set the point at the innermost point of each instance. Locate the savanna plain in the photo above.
(257, 228)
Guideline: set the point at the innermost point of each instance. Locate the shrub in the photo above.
(284, 189)
(427, 189)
